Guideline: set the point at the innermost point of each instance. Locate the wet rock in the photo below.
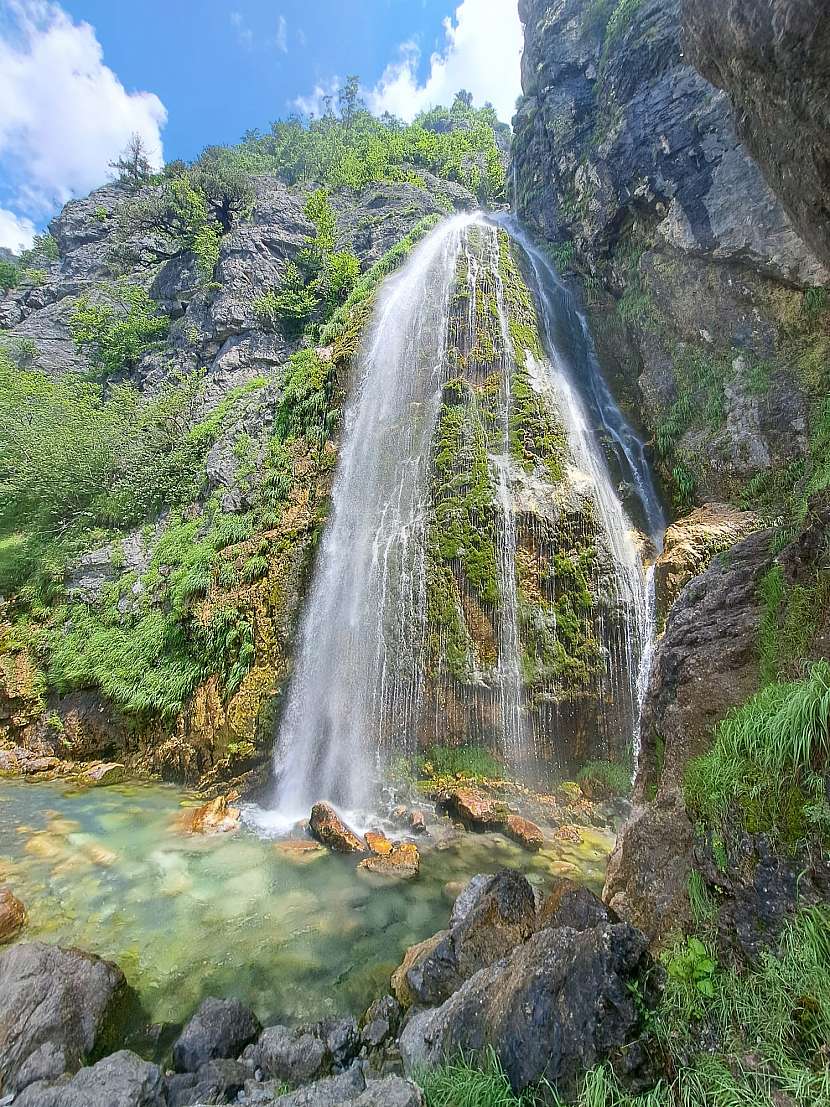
(692, 542)
(413, 956)
(107, 772)
(476, 809)
(220, 1028)
(12, 914)
(418, 822)
(381, 1021)
(523, 831)
(554, 1007)
(467, 896)
(300, 850)
(291, 1055)
(327, 826)
(571, 904)
(342, 1039)
(499, 917)
(400, 814)
(57, 1007)
(403, 862)
(215, 817)
(218, 1081)
(378, 843)
(120, 1080)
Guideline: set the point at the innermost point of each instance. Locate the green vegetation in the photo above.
(789, 620)
(9, 274)
(471, 761)
(766, 764)
(613, 777)
(725, 1037)
(115, 333)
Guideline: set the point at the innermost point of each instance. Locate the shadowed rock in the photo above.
(220, 1028)
(12, 915)
(120, 1080)
(327, 827)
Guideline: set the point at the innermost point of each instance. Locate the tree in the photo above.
(349, 101)
(225, 185)
(132, 167)
(114, 335)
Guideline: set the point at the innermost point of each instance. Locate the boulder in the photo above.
(403, 862)
(476, 809)
(215, 817)
(553, 1008)
(295, 1056)
(378, 843)
(214, 1082)
(57, 1007)
(120, 1080)
(413, 956)
(523, 831)
(574, 905)
(299, 850)
(106, 772)
(220, 1028)
(500, 916)
(417, 822)
(327, 827)
(342, 1039)
(12, 914)
(381, 1021)
(351, 1087)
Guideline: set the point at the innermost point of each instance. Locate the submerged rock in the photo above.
(120, 1080)
(553, 1008)
(220, 1028)
(57, 1007)
(12, 914)
(497, 917)
(524, 832)
(327, 827)
(402, 862)
(300, 850)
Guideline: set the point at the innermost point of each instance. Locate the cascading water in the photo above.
(368, 648)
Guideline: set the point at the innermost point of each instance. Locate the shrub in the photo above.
(116, 333)
(473, 761)
(9, 274)
(613, 777)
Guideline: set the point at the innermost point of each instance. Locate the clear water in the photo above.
(189, 916)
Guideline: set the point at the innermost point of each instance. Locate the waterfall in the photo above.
(373, 674)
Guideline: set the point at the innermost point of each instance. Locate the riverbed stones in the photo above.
(12, 914)
(476, 809)
(104, 773)
(220, 1028)
(554, 1007)
(57, 1007)
(295, 1056)
(215, 817)
(523, 831)
(327, 827)
(120, 1080)
(402, 862)
(500, 915)
(300, 850)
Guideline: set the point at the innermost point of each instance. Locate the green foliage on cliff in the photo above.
(9, 274)
(767, 762)
(352, 148)
(116, 332)
(790, 616)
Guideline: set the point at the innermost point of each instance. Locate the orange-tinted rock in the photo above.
(105, 772)
(12, 915)
(568, 834)
(418, 822)
(399, 813)
(378, 843)
(403, 862)
(216, 817)
(524, 832)
(413, 956)
(299, 850)
(327, 827)
(477, 809)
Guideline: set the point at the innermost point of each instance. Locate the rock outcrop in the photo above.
(329, 829)
(120, 1080)
(772, 60)
(220, 1028)
(57, 1008)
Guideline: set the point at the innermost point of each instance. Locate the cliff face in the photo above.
(704, 279)
(198, 606)
(628, 160)
(773, 60)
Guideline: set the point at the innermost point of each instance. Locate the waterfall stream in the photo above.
(358, 689)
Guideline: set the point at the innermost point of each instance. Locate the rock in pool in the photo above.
(403, 862)
(524, 832)
(12, 914)
(220, 1028)
(378, 843)
(327, 827)
(104, 773)
(476, 809)
(216, 817)
(299, 850)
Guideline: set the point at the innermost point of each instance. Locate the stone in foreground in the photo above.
(120, 1080)
(57, 1007)
(12, 914)
(327, 827)
(571, 904)
(220, 1028)
(555, 1007)
(291, 1055)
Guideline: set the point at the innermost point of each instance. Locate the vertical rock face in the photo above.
(630, 161)
(773, 59)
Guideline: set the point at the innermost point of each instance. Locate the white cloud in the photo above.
(313, 103)
(282, 35)
(63, 113)
(244, 34)
(481, 53)
(16, 232)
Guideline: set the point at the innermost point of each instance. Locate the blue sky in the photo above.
(77, 77)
